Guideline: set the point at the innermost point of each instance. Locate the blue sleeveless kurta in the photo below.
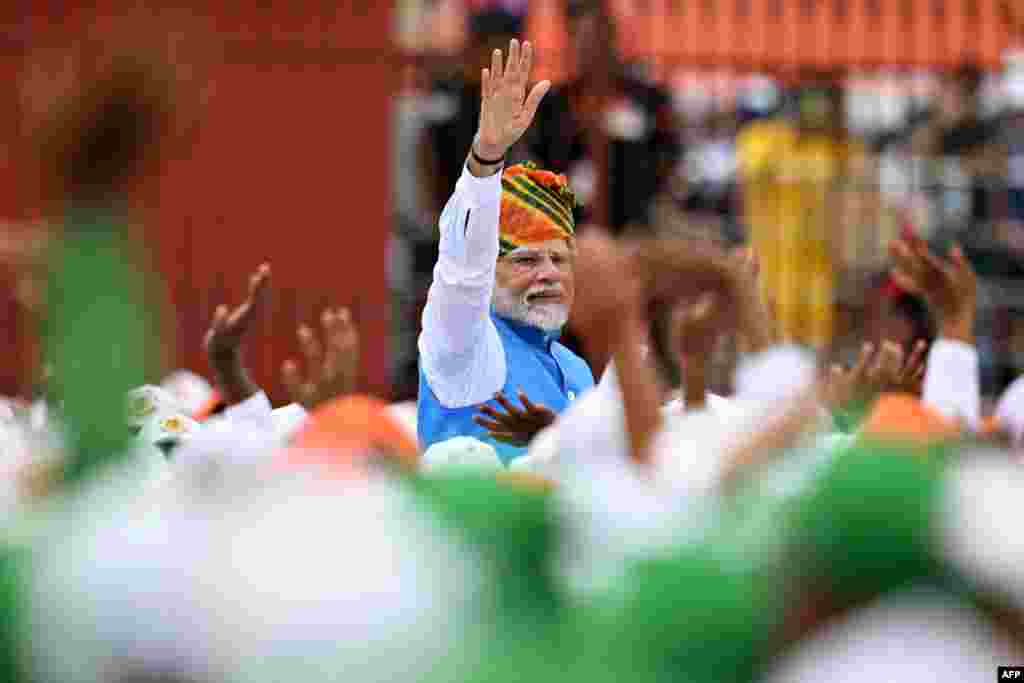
(545, 370)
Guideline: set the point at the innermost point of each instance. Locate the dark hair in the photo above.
(494, 23)
(969, 78)
(914, 310)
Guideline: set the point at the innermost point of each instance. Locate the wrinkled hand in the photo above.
(876, 372)
(505, 109)
(229, 328)
(949, 286)
(332, 370)
(515, 426)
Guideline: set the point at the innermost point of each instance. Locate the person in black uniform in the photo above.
(640, 124)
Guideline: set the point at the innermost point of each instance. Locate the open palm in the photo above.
(505, 109)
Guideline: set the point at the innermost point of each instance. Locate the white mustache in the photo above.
(541, 289)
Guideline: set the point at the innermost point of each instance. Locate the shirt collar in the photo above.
(533, 335)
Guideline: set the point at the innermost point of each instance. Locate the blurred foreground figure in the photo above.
(503, 284)
(96, 140)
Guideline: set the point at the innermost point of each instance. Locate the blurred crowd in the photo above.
(791, 456)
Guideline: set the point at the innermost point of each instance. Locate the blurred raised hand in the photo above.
(228, 331)
(332, 367)
(886, 370)
(506, 111)
(948, 285)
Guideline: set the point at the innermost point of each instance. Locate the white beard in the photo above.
(550, 317)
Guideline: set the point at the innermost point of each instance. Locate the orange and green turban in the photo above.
(536, 206)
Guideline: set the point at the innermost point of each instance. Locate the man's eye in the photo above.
(525, 261)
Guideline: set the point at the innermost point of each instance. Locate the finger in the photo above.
(960, 262)
(512, 65)
(258, 282)
(343, 333)
(220, 316)
(312, 350)
(489, 424)
(526, 64)
(905, 282)
(932, 263)
(916, 359)
(919, 372)
(292, 381)
(863, 360)
(491, 412)
(891, 359)
(533, 100)
(704, 307)
(509, 408)
(496, 70)
(329, 369)
(485, 84)
(527, 404)
(906, 260)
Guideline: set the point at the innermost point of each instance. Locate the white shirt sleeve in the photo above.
(256, 407)
(951, 381)
(460, 351)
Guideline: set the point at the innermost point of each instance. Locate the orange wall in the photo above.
(289, 165)
(771, 34)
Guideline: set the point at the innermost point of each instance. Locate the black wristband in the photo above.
(485, 162)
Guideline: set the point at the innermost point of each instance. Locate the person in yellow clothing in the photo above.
(794, 174)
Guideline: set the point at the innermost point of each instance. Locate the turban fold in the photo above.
(536, 206)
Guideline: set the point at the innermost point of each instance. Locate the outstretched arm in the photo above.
(460, 352)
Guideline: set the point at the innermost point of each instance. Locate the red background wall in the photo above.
(288, 165)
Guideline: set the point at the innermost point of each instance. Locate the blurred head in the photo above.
(819, 102)
(591, 34)
(534, 276)
(486, 32)
(961, 93)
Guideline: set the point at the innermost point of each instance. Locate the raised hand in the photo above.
(330, 373)
(886, 370)
(506, 111)
(949, 286)
(515, 426)
(223, 341)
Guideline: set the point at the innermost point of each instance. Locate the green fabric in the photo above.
(101, 336)
(867, 524)
(521, 633)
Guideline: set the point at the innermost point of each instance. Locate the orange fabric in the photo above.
(536, 206)
(347, 428)
(208, 408)
(903, 417)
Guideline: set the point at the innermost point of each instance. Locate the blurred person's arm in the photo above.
(609, 314)
(949, 286)
(223, 341)
(460, 352)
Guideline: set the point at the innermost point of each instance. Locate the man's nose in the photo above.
(547, 271)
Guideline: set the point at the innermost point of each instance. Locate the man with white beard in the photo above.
(503, 283)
